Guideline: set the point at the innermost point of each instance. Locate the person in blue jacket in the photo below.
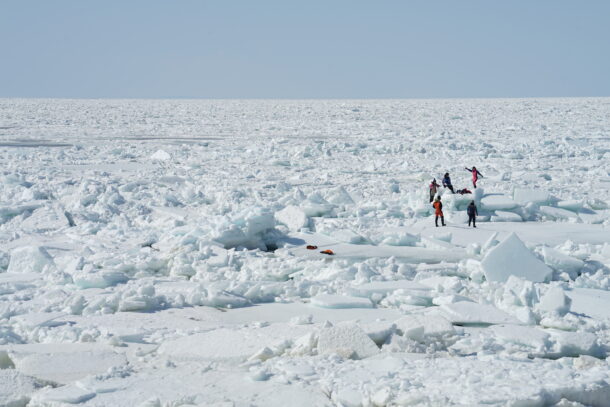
(447, 182)
(472, 212)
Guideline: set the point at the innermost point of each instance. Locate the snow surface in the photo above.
(153, 253)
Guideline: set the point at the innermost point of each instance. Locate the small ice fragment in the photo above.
(293, 217)
(555, 300)
(161, 156)
(347, 339)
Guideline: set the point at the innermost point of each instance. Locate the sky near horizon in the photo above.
(304, 49)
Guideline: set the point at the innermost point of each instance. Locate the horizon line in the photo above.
(303, 98)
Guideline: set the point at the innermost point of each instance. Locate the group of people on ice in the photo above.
(471, 210)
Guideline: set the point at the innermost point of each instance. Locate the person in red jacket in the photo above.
(438, 211)
(475, 175)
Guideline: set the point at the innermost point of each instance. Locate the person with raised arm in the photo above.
(475, 175)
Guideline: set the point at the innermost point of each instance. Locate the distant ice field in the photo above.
(155, 253)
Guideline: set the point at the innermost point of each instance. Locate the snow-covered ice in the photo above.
(273, 253)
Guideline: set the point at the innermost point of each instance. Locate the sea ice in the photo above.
(512, 258)
(524, 196)
(226, 344)
(555, 300)
(17, 388)
(558, 213)
(497, 202)
(536, 338)
(30, 259)
(504, 216)
(386, 287)
(156, 253)
(590, 302)
(419, 326)
(293, 217)
(340, 301)
(64, 363)
(161, 155)
(470, 313)
(348, 340)
(562, 262)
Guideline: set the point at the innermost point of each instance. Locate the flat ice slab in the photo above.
(471, 313)
(524, 196)
(504, 216)
(495, 202)
(562, 262)
(591, 302)
(340, 301)
(522, 335)
(278, 312)
(418, 326)
(385, 287)
(364, 251)
(63, 362)
(63, 395)
(558, 213)
(230, 344)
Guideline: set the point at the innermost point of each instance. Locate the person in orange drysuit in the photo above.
(438, 211)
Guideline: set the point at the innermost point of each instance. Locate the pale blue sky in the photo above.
(304, 49)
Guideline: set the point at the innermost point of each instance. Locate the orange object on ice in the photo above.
(327, 251)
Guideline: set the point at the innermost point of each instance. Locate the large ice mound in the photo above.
(512, 258)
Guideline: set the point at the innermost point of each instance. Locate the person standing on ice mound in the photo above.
(433, 188)
(475, 175)
(447, 182)
(472, 212)
(438, 211)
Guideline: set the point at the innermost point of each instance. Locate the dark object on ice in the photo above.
(438, 211)
(464, 191)
(311, 247)
(328, 251)
(472, 212)
(433, 187)
(447, 182)
(475, 175)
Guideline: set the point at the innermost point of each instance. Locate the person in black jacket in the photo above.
(472, 214)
